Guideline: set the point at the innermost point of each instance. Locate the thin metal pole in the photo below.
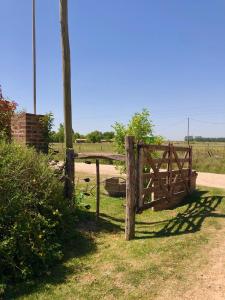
(34, 57)
(97, 189)
(188, 132)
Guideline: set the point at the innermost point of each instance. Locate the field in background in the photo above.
(207, 156)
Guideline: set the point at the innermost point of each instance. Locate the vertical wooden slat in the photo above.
(97, 188)
(130, 188)
(170, 168)
(140, 177)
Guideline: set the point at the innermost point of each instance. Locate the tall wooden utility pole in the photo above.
(34, 57)
(69, 168)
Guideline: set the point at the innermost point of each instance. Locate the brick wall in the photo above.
(27, 129)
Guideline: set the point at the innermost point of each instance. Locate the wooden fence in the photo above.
(164, 175)
(158, 176)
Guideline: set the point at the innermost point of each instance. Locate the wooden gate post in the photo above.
(130, 188)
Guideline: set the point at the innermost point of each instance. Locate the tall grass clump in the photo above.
(34, 217)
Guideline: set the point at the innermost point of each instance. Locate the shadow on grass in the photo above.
(81, 244)
(198, 208)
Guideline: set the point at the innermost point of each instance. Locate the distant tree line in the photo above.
(92, 137)
(204, 139)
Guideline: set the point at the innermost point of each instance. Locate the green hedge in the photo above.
(34, 217)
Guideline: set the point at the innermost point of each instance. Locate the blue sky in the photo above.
(165, 55)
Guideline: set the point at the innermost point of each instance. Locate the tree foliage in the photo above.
(58, 136)
(94, 136)
(108, 135)
(47, 124)
(140, 126)
(7, 109)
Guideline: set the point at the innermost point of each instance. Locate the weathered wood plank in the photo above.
(154, 147)
(164, 174)
(163, 147)
(97, 155)
(130, 188)
(69, 175)
(180, 168)
(165, 160)
(140, 177)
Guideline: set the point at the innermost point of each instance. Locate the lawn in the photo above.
(169, 247)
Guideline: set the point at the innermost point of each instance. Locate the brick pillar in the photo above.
(27, 129)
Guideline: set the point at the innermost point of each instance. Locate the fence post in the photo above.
(130, 188)
(69, 174)
(97, 189)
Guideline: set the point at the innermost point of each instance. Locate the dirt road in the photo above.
(208, 282)
(204, 179)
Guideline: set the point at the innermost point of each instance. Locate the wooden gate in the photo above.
(164, 176)
(158, 176)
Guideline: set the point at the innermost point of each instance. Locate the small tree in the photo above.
(76, 136)
(47, 122)
(108, 135)
(94, 136)
(140, 126)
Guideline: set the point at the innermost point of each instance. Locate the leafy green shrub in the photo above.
(140, 126)
(34, 217)
(94, 136)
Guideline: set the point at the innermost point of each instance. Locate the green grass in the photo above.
(207, 157)
(167, 250)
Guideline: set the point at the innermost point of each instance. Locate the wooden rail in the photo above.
(93, 155)
(159, 188)
(147, 184)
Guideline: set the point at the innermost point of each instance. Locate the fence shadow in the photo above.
(198, 208)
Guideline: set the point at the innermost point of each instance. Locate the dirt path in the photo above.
(105, 170)
(208, 282)
(211, 180)
(205, 179)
